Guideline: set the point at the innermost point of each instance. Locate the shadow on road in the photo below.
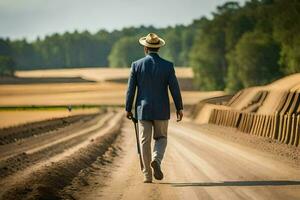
(236, 183)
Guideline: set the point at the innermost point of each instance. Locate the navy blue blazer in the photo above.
(152, 75)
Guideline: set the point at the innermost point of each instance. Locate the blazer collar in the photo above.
(153, 54)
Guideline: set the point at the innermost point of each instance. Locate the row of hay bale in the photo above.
(284, 128)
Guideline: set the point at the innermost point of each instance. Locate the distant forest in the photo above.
(240, 46)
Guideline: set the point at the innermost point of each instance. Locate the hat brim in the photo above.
(143, 42)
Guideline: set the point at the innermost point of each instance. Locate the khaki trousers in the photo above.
(160, 130)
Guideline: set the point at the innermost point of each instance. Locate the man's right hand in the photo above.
(129, 115)
(179, 115)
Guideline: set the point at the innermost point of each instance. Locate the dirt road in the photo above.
(95, 158)
(199, 166)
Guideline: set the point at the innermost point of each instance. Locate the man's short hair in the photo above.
(153, 49)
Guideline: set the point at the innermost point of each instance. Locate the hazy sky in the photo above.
(32, 18)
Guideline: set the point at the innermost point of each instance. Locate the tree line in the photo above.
(240, 46)
(249, 45)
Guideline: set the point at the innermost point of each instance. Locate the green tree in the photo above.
(286, 25)
(187, 41)
(173, 45)
(233, 80)
(124, 52)
(6, 66)
(207, 58)
(5, 47)
(256, 59)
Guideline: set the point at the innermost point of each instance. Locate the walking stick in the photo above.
(136, 127)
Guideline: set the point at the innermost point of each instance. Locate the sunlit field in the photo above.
(105, 90)
(95, 74)
(100, 92)
(15, 117)
(62, 94)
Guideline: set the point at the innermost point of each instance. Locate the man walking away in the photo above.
(152, 75)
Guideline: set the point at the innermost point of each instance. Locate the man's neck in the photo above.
(152, 52)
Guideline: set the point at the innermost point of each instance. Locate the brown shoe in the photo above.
(147, 181)
(158, 174)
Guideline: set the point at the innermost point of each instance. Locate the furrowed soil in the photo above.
(46, 156)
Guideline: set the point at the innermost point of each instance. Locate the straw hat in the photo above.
(152, 40)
